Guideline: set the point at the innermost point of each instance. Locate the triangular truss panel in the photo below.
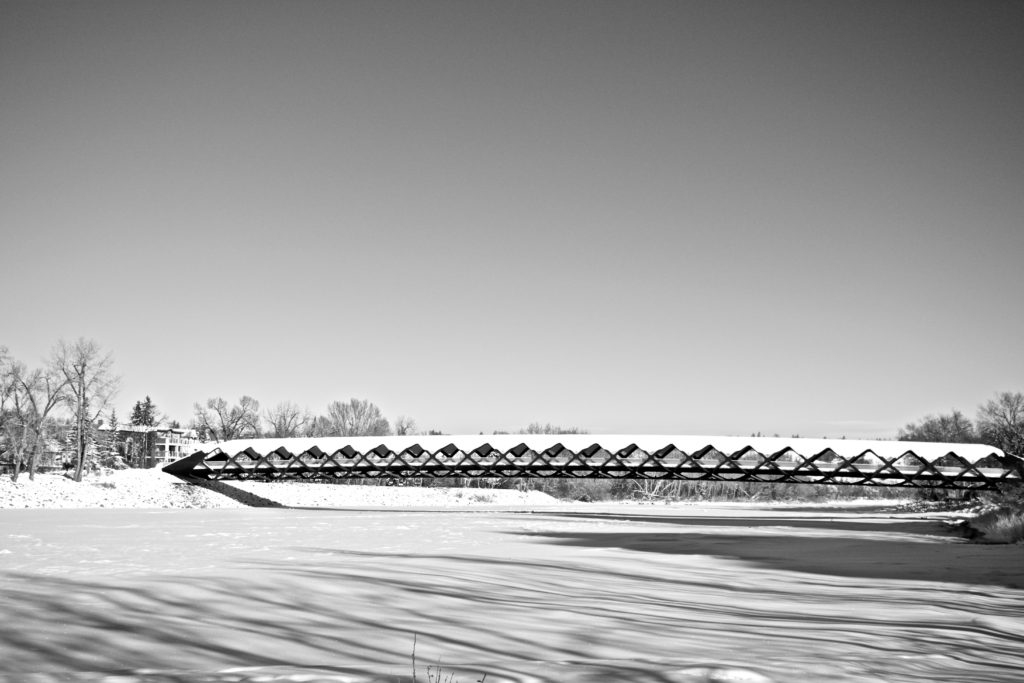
(772, 460)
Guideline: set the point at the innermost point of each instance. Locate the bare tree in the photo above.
(319, 425)
(538, 428)
(220, 421)
(1001, 422)
(5, 390)
(91, 384)
(286, 420)
(405, 426)
(952, 428)
(355, 418)
(26, 400)
(34, 395)
(12, 428)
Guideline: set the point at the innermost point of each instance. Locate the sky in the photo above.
(654, 217)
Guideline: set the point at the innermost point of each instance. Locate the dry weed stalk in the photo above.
(436, 674)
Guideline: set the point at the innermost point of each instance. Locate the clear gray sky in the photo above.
(692, 217)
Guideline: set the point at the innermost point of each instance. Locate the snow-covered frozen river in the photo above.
(569, 593)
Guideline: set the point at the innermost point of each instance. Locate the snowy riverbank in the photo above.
(155, 489)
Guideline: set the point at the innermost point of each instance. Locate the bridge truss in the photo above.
(680, 458)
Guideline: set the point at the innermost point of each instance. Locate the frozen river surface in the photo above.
(574, 593)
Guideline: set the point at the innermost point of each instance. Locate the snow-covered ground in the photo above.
(154, 488)
(569, 593)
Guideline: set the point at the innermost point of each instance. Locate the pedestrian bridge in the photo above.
(685, 458)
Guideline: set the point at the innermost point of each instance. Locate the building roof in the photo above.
(146, 429)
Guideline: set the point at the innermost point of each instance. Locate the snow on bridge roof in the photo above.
(845, 448)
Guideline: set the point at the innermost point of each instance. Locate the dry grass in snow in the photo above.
(1000, 526)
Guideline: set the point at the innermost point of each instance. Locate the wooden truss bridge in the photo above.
(686, 458)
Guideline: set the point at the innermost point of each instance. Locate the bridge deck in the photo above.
(773, 460)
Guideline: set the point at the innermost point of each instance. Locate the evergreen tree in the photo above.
(149, 412)
(144, 413)
(136, 419)
(113, 440)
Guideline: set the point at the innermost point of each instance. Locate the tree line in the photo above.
(68, 397)
(999, 422)
(77, 379)
(218, 420)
